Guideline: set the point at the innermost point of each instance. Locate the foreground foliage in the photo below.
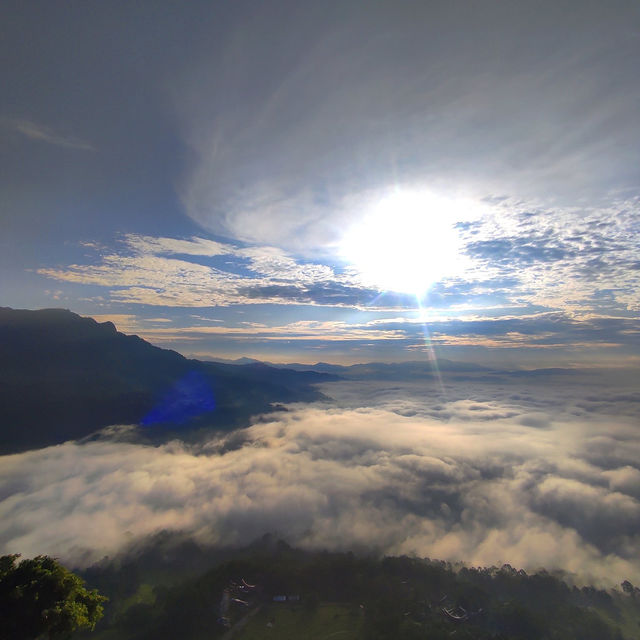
(362, 598)
(39, 597)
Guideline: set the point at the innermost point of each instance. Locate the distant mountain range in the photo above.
(374, 370)
(63, 377)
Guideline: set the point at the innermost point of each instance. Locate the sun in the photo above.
(405, 242)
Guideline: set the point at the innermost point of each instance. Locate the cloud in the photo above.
(151, 245)
(541, 332)
(500, 307)
(581, 262)
(579, 259)
(468, 477)
(562, 283)
(125, 322)
(302, 330)
(40, 133)
(578, 268)
(513, 100)
(199, 272)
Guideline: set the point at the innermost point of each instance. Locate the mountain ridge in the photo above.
(65, 376)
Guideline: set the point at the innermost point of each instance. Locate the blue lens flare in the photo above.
(188, 398)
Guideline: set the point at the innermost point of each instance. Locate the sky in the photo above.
(341, 182)
(329, 181)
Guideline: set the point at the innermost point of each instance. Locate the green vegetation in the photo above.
(39, 597)
(347, 597)
(326, 620)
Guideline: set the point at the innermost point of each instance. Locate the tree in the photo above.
(627, 587)
(41, 598)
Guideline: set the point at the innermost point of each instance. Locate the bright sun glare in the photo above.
(406, 242)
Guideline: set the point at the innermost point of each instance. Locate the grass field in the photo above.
(327, 621)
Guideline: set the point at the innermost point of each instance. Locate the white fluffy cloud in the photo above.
(582, 262)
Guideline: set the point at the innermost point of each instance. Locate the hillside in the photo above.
(358, 598)
(64, 376)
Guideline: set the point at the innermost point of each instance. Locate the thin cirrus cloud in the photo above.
(352, 103)
(472, 471)
(41, 133)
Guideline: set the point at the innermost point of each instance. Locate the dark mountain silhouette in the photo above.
(63, 377)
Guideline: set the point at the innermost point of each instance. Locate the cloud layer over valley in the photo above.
(534, 474)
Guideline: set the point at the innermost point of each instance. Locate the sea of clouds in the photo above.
(530, 470)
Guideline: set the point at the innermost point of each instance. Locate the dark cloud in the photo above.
(536, 330)
(518, 251)
(324, 293)
(291, 292)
